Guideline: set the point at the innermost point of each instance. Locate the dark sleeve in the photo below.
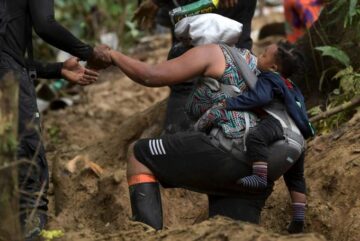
(47, 70)
(260, 96)
(45, 25)
(294, 177)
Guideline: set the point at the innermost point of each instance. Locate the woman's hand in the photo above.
(100, 58)
(77, 74)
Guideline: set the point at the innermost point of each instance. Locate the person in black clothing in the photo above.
(242, 11)
(17, 19)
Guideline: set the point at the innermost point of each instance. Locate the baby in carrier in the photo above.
(275, 64)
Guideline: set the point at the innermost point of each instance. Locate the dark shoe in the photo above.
(296, 227)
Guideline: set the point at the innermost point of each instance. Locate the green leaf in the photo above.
(335, 53)
(336, 92)
(315, 111)
(339, 4)
(347, 71)
(352, 8)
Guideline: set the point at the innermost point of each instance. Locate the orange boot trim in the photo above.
(141, 178)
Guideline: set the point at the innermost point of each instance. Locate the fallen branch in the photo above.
(354, 102)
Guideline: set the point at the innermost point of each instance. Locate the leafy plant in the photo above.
(349, 86)
(87, 20)
(348, 8)
(54, 133)
(349, 80)
(335, 53)
(50, 235)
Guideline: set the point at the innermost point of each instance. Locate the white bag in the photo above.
(208, 28)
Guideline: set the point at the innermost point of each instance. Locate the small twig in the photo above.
(37, 202)
(15, 163)
(354, 102)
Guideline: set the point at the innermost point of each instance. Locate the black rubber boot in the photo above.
(146, 206)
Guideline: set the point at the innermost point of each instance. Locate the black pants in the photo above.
(190, 160)
(268, 131)
(33, 174)
(237, 208)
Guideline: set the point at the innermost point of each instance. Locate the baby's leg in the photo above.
(258, 141)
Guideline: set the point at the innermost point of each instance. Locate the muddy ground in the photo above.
(90, 204)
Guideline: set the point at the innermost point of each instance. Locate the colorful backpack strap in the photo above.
(240, 63)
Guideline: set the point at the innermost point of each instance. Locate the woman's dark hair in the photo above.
(289, 59)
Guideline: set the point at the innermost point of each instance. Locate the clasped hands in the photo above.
(74, 72)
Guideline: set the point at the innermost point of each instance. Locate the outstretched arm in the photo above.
(45, 25)
(207, 60)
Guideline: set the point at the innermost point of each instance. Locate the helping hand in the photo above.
(144, 15)
(296, 227)
(227, 3)
(74, 72)
(101, 58)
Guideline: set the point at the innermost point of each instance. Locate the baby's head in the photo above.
(280, 57)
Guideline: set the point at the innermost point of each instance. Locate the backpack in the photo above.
(293, 95)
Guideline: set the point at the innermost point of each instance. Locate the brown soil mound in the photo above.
(332, 170)
(91, 205)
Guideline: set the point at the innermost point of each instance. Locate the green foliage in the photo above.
(348, 10)
(349, 86)
(54, 134)
(349, 81)
(9, 142)
(50, 235)
(335, 53)
(87, 20)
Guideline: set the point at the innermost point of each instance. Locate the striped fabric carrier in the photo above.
(209, 92)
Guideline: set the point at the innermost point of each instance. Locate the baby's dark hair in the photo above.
(289, 59)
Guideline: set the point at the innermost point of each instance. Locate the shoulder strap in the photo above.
(249, 76)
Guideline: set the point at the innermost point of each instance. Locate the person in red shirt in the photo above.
(299, 16)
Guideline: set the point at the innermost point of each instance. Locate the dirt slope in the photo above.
(100, 127)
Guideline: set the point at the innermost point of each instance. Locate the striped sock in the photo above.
(298, 211)
(141, 178)
(258, 180)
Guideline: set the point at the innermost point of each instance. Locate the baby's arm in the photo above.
(260, 96)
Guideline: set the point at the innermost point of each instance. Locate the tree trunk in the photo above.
(328, 30)
(9, 204)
